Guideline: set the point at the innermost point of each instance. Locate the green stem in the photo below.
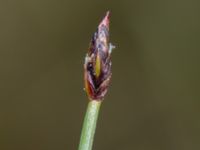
(89, 125)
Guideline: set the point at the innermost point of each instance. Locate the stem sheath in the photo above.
(89, 125)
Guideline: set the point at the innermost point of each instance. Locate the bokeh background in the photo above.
(153, 101)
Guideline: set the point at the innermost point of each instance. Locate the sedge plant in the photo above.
(97, 75)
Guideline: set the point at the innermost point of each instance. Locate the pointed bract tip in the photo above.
(106, 19)
(108, 14)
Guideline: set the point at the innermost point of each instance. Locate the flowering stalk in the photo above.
(97, 75)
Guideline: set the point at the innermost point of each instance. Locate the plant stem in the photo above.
(89, 125)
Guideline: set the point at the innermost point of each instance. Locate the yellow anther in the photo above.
(98, 66)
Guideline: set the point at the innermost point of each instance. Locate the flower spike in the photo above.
(97, 66)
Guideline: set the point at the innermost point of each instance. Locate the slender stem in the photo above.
(89, 125)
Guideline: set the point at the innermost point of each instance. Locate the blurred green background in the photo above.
(153, 101)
